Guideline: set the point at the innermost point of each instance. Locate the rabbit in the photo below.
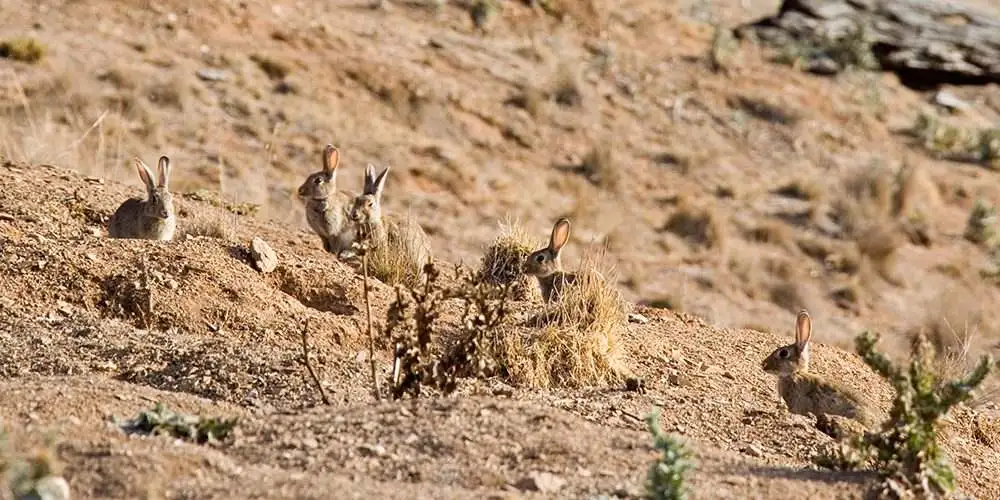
(327, 208)
(399, 234)
(152, 218)
(806, 393)
(545, 266)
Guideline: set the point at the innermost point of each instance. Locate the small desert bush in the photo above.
(599, 166)
(906, 452)
(980, 226)
(666, 477)
(275, 69)
(566, 87)
(502, 264)
(867, 210)
(575, 341)
(699, 225)
(37, 476)
(958, 143)
(26, 50)
(413, 325)
(722, 48)
(803, 189)
(852, 49)
(161, 420)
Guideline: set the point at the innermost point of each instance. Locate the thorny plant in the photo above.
(362, 247)
(665, 479)
(162, 420)
(412, 324)
(906, 452)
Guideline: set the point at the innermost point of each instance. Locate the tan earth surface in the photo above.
(691, 196)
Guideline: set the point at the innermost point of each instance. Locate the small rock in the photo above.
(310, 443)
(372, 450)
(950, 101)
(677, 379)
(212, 75)
(823, 66)
(264, 259)
(753, 450)
(50, 488)
(637, 318)
(544, 482)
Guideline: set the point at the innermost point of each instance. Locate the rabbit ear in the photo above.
(163, 168)
(369, 179)
(379, 183)
(803, 330)
(331, 159)
(145, 174)
(560, 234)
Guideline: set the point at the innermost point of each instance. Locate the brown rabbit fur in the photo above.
(806, 393)
(545, 265)
(326, 208)
(389, 232)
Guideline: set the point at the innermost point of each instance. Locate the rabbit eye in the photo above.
(317, 180)
(783, 354)
(540, 258)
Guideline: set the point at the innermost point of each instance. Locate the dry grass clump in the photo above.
(390, 262)
(803, 189)
(502, 263)
(700, 226)
(772, 233)
(576, 341)
(764, 110)
(273, 68)
(208, 224)
(873, 202)
(22, 49)
(566, 88)
(599, 166)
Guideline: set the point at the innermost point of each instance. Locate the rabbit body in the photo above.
(805, 393)
(326, 208)
(545, 265)
(388, 232)
(152, 218)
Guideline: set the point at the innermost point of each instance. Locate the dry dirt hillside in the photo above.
(726, 199)
(93, 329)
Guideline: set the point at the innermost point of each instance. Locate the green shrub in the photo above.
(26, 50)
(665, 479)
(906, 452)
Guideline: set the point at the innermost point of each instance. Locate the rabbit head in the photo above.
(160, 204)
(323, 184)
(792, 358)
(367, 207)
(545, 262)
